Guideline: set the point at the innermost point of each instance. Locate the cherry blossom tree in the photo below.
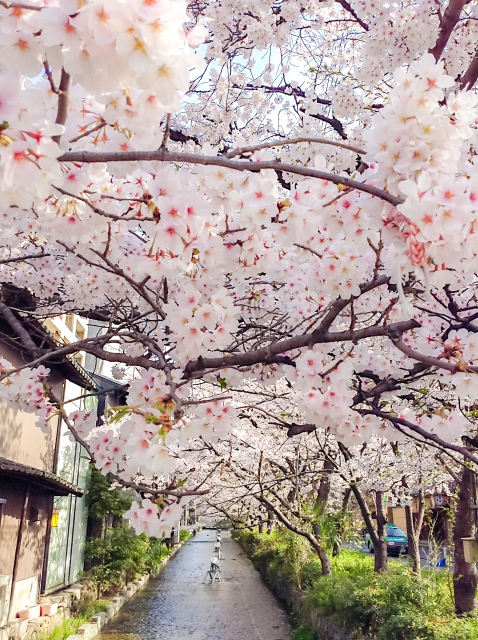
(280, 192)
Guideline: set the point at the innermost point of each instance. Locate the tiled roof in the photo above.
(50, 481)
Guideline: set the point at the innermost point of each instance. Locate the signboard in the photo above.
(55, 516)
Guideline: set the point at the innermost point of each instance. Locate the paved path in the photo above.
(178, 606)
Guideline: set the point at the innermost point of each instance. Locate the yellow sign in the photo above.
(55, 516)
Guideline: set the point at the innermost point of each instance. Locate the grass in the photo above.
(70, 626)
(394, 606)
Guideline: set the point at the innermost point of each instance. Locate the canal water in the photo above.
(181, 605)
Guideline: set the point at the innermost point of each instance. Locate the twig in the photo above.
(97, 127)
(24, 258)
(278, 143)
(49, 75)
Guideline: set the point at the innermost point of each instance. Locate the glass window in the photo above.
(395, 531)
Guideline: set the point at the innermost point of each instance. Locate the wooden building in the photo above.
(42, 490)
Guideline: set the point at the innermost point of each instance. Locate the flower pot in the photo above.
(49, 609)
(30, 613)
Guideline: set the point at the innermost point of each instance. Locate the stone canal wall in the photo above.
(98, 621)
(68, 601)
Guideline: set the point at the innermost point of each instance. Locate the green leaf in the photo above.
(222, 383)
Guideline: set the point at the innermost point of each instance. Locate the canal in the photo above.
(179, 605)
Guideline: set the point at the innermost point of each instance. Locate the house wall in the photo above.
(397, 517)
(23, 442)
(32, 547)
(20, 439)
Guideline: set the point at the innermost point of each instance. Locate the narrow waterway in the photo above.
(179, 605)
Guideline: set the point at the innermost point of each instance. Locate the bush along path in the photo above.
(356, 602)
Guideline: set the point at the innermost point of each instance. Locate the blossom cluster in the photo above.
(148, 519)
(25, 390)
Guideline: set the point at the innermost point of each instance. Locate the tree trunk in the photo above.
(324, 486)
(321, 502)
(413, 548)
(465, 577)
(325, 561)
(315, 544)
(380, 547)
(338, 541)
(322, 551)
(261, 523)
(413, 532)
(270, 521)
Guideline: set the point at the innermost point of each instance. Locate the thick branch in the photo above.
(163, 155)
(285, 521)
(448, 23)
(18, 328)
(471, 76)
(267, 354)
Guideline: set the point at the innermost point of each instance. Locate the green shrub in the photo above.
(396, 605)
(303, 633)
(119, 555)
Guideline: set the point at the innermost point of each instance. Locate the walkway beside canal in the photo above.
(179, 606)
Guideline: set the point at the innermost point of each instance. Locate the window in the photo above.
(80, 331)
(395, 532)
(70, 321)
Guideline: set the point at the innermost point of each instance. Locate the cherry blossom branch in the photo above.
(447, 24)
(19, 5)
(106, 214)
(49, 75)
(272, 353)
(430, 360)
(95, 128)
(89, 345)
(165, 139)
(278, 143)
(163, 155)
(468, 81)
(425, 434)
(346, 5)
(62, 111)
(188, 403)
(18, 328)
(141, 488)
(24, 258)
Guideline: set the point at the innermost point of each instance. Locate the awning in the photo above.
(45, 479)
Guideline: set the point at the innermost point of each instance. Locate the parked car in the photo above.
(396, 541)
